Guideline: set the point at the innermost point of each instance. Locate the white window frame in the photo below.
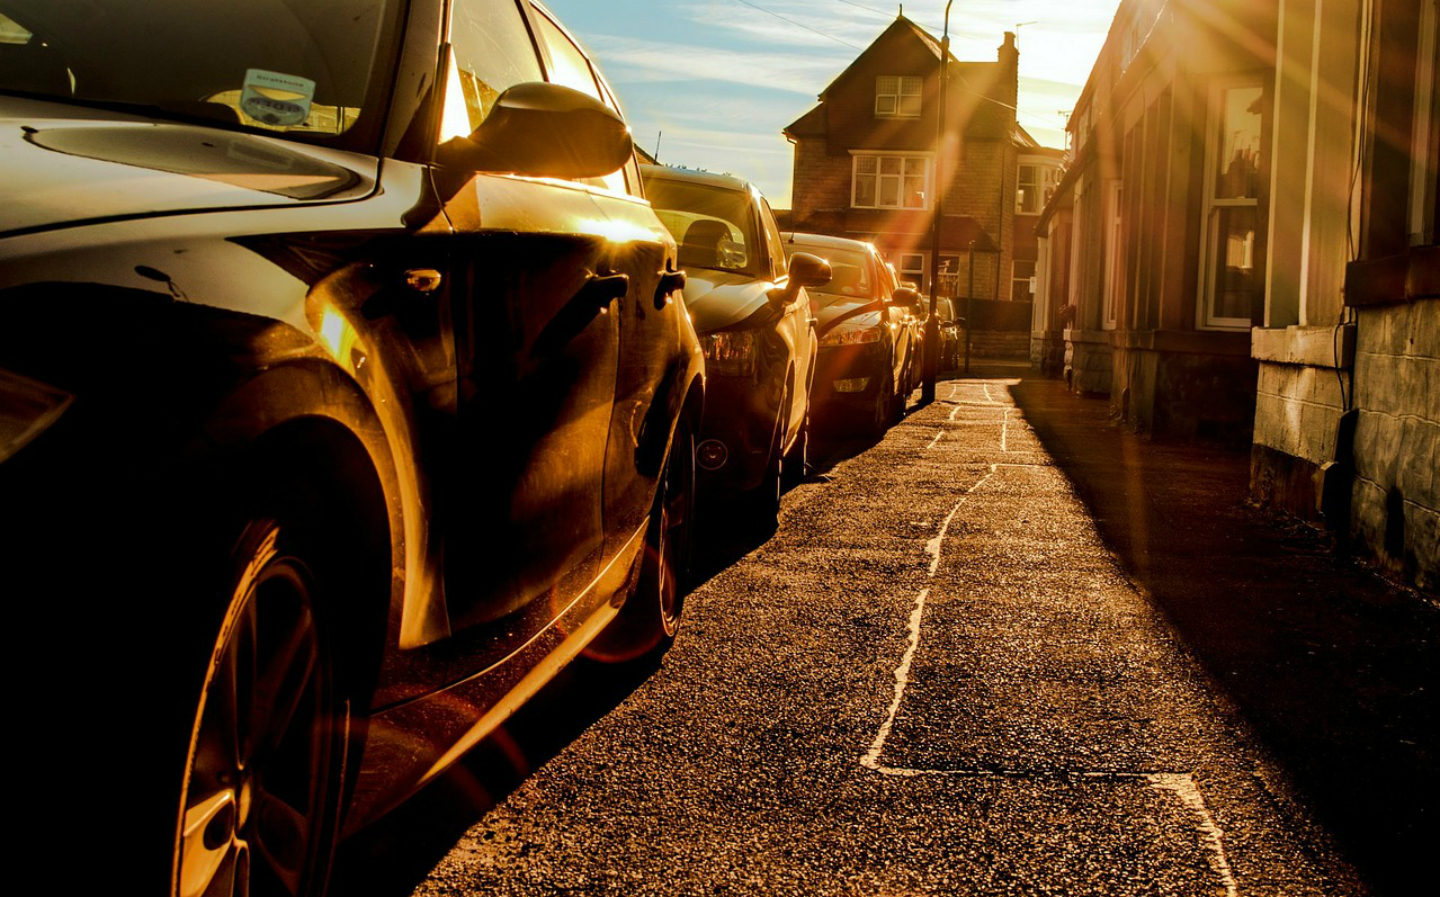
(926, 160)
(891, 92)
(1035, 184)
(902, 272)
(1204, 320)
(1114, 254)
(1028, 281)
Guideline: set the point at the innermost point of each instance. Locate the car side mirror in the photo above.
(805, 270)
(808, 270)
(545, 130)
(906, 297)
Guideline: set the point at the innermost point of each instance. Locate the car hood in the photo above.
(720, 299)
(831, 309)
(62, 165)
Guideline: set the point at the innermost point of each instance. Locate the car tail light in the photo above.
(27, 408)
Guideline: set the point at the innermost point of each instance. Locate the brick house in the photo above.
(1243, 245)
(865, 164)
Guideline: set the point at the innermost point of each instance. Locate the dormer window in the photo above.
(897, 96)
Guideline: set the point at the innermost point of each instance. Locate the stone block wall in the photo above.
(1303, 389)
(1089, 366)
(1395, 511)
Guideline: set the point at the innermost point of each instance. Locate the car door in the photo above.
(798, 324)
(532, 296)
(646, 316)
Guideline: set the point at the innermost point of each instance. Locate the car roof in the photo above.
(726, 181)
(827, 241)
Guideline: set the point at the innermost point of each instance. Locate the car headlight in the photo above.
(729, 354)
(852, 337)
(27, 408)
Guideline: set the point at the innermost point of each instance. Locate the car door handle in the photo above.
(589, 302)
(599, 290)
(670, 281)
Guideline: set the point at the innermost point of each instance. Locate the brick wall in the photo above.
(822, 181)
(1395, 511)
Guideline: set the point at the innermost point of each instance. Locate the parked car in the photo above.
(345, 396)
(753, 314)
(949, 333)
(866, 324)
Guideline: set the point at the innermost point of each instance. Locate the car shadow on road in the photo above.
(1334, 668)
(393, 856)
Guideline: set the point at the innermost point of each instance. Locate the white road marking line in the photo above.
(1183, 786)
(1180, 784)
(871, 759)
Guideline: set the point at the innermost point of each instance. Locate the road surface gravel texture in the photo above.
(934, 678)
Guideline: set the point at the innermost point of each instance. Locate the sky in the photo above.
(716, 80)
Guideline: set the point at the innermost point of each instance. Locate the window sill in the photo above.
(1395, 279)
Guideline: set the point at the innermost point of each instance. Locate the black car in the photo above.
(868, 349)
(345, 396)
(753, 315)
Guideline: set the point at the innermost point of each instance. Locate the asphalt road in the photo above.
(934, 678)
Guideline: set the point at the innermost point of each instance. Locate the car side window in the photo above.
(492, 51)
(570, 67)
(773, 243)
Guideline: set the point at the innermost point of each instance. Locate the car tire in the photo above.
(647, 624)
(764, 500)
(263, 776)
(797, 462)
(882, 414)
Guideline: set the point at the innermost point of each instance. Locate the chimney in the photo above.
(1009, 59)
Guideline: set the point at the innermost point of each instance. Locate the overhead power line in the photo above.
(800, 24)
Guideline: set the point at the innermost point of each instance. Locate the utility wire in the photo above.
(800, 25)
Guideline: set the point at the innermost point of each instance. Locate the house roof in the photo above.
(814, 122)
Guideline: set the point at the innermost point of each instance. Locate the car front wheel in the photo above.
(262, 780)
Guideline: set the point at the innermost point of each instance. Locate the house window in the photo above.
(1229, 283)
(1022, 281)
(1114, 256)
(949, 276)
(897, 96)
(890, 182)
(1027, 191)
(912, 269)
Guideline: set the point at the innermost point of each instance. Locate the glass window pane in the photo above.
(567, 64)
(885, 105)
(1232, 275)
(910, 106)
(865, 190)
(1238, 162)
(890, 164)
(915, 192)
(889, 191)
(492, 52)
(865, 164)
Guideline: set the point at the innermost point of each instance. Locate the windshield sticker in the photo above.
(275, 98)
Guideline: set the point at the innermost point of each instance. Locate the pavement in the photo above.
(1008, 649)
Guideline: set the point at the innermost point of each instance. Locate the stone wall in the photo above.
(1088, 365)
(1304, 387)
(1396, 495)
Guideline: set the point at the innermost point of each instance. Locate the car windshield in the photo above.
(303, 68)
(715, 226)
(851, 274)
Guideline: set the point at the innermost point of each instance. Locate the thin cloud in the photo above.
(640, 60)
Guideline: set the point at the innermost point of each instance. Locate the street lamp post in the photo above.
(930, 367)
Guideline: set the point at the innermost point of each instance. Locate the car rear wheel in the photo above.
(262, 783)
(647, 624)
